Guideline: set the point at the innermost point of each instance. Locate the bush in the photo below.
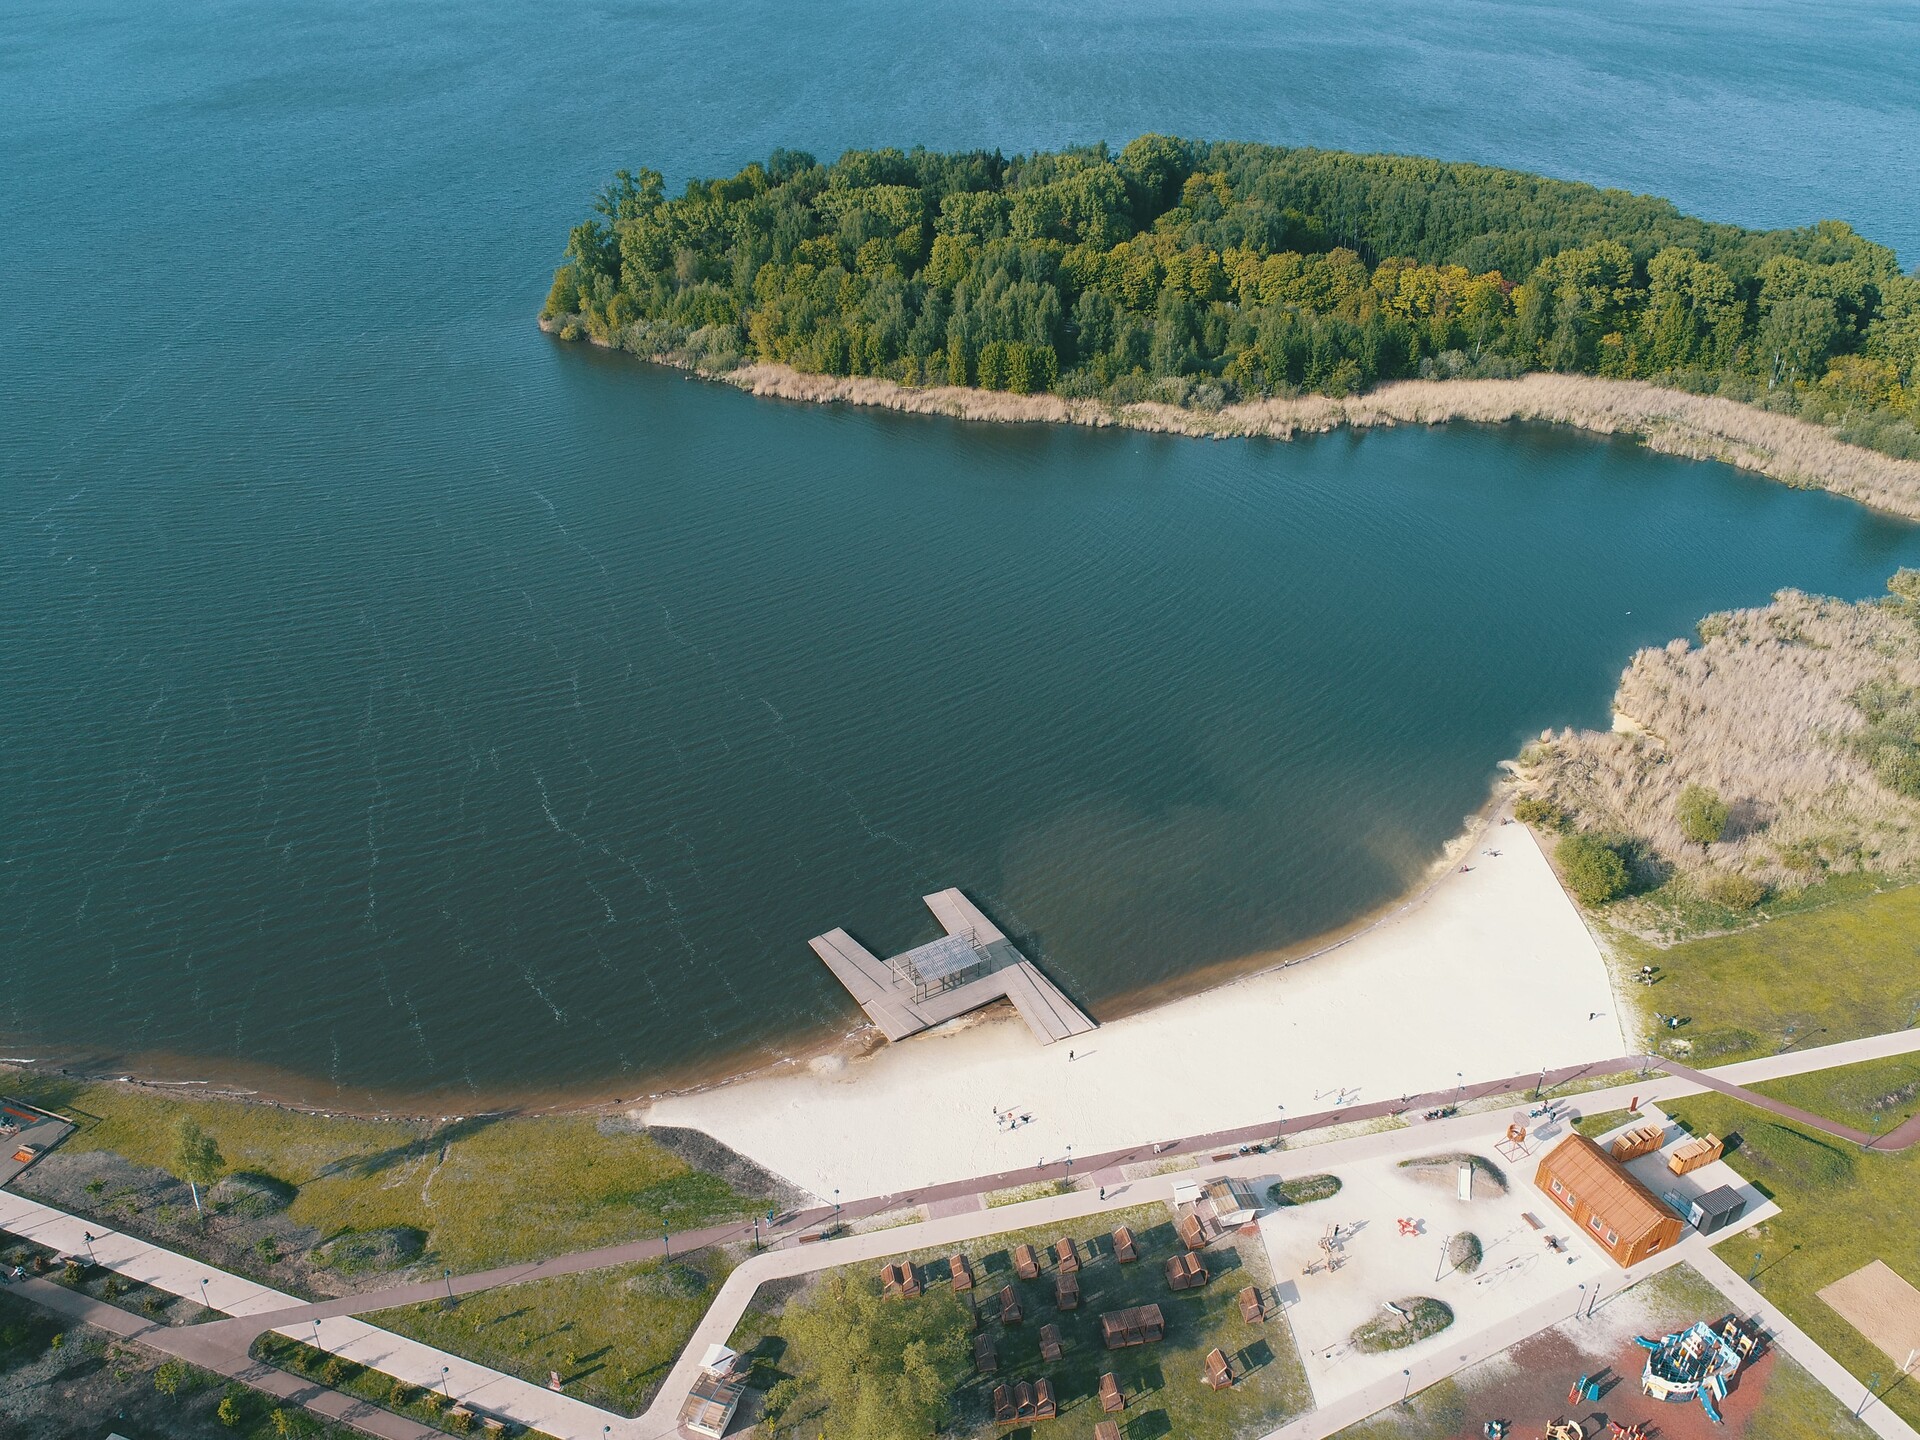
(1736, 892)
(401, 1396)
(171, 1377)
(1702, 815)
(1538, 811)
(1464, 1252)
(1303, 1191)
(358, 1251)
(1593, 870)
(228, 1411)
(252, 1194)
(1419, 1317)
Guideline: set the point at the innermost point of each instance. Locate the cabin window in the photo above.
(1612, 1238)
(1558, 1189)
(1595, 1226)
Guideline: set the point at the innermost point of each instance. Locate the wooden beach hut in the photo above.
(986, 1359)
(1111, 1400)
(902, 1279)
(1621, 1216)
(1185, 1272)
(1124, 1250)
(961, 1272)
(1066, 1290)
(1251, 1309)
(1066, 1254)
(1050, 1342)
(1010, 1311)
(1218, 1373)
(1140, 1325)
(1025, 1263)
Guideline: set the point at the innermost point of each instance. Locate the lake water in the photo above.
(393, 700)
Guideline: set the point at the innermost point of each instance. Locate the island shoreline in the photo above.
(1782, 448)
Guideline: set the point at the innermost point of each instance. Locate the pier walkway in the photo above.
(973, 965)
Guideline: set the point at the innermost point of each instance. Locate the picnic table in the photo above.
(1124, 1249)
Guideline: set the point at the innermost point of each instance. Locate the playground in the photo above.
(1536, 1383)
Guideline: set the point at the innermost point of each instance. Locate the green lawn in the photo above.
(611, 1334)
(1875, 1095)
(1600, 1122)
(1793, 1406)
(1162, 1382)
(485, 1191)
(1841, 1208)
(1844, 970)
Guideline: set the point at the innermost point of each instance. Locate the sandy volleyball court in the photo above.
(1491, 973)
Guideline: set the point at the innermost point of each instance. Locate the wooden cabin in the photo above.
(1185, 1272)
(1124, 1250)
(1050, 1342)
(1620, 1215)
(1010, 1311)
(1065, 1254)
(1025, 1263)
(1141, 1325)
(961, 1271)
(1251, 1309)
(1022, 1403)
(1066, 1290)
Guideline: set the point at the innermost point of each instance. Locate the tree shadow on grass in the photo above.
(364, 1167)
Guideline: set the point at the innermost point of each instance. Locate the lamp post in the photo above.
(1406, 1387)
(1754, 1273)
(1069, 1162)
(449, 1275)
(1543, 1083)
(205, 1303)
(87, 1235)
(446, 1382)
(1461, 1093)
(1280, 1132)
(1580, 1304)
(666, 1241)
(1868, 1398)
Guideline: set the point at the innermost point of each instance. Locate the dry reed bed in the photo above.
(1698, 427)
(1760, 711)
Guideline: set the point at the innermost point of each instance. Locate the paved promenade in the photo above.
(222, 1345)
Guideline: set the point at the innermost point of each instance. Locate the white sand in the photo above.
(1491, 974)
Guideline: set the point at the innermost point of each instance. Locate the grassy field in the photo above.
(1793, 1405)
(1875, 1095)
(612, 1335)
(1162, 1382)
(1847, 969)
(1600, 1122)
(483, 1191)
(1841, 1208)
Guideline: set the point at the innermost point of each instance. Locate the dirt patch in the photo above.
(704, 1153)
(1442, 1172)
(1881, 1306)
(243, 1230)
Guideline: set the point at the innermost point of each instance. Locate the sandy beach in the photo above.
(1490, 972)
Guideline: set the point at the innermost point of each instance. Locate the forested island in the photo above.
(1208, 275)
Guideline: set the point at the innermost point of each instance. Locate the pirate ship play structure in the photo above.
(1696, 1363)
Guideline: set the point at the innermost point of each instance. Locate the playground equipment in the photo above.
(1565, 1430)
(1694, 1364)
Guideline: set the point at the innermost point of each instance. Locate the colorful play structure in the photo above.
(1696, 1363)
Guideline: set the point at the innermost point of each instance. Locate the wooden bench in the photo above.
(1050, 1342)
(1066, 1291)
(1025, 1263)
(1193, 1234)
(986, 1359)
(900, 1280)
(961, 1271)
(1641, 1140)
(1185, 1272)
(1124, 1249)
(1065, 1254)
(1140, 1325)
(1010, 1311)
(1251, 1309)
(1694, 1154)
(1111, 1400)
(1219, 1374)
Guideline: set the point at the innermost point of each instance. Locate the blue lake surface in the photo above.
(393, 701)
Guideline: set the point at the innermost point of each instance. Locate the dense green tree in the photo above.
(1593, 869)
(1256, 268)
(1702, 815)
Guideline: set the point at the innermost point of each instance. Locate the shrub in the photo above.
(228, 1411)
(1418, 1317)
(1539, 811)
(1593, 869)
(401, 1396)
(357, 1251)
(1702, 815)
(1736, 892)
(170, 1377)
(1464, 1252)
(1304, 1190)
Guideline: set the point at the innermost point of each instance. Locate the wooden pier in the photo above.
(973, 965)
